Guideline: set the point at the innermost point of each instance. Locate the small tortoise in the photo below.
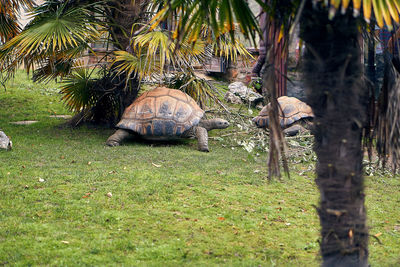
(292, 113)
(165, 114)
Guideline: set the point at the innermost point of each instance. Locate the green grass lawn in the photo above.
(171, 205)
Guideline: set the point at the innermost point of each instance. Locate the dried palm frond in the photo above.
(9, 13)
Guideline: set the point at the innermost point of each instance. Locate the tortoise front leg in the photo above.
(202, 139)
(117, 137)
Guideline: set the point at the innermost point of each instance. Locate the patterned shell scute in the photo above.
(161, 112)
(291, 110)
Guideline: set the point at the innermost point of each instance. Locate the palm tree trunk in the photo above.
(125, 14)
(333, 75)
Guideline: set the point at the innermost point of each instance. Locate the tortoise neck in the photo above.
(208, 124)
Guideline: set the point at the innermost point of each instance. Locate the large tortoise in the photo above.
(165, 114)
(293, 115)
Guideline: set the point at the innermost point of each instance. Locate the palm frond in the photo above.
(202, 91)
(7, 5)
(156, 46)
(385, 11)
(9, 13)
(221, 15)
(77, 89)
(153, 51)
(231, 49)
(132, 65)
(56, 32)
(8, 27)
(53, 69)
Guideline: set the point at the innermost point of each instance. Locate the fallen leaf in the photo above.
(86, 195)
(64, 242)
(378, 234)
(156, 165)
(337, 213)
(111, 172)
(62, 157)
(221, 218)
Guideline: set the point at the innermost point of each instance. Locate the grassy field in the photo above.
(170, 205)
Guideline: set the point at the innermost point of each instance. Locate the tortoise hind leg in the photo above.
(117, 137)
(202, 139)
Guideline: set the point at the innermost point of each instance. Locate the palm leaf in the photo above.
(153, 51)
(132, 65)
(202, 91)
(56, 32)
(8, 27)
(77, 89)
(9, 13)
(384, 10)
(221, 15)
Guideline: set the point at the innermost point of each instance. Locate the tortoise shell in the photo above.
(291, 110)
(161, 113)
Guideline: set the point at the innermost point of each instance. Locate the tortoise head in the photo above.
(220, 123)
(216, 123)
(260, 121)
